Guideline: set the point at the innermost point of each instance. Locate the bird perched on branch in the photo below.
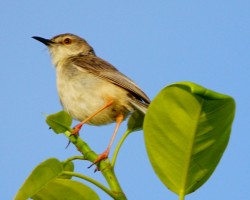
(91, 90)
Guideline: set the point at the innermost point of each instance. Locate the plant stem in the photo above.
(104, 166)
(74, 158)
(182, 196)
(118, 147)
(96, 183)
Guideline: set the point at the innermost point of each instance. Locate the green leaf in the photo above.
(59, 189)
(67, 166)
(41, 175)
(187, 128)
(60, 122)
(46, 182)
(135, 121)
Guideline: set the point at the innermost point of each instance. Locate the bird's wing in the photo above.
(105, 70)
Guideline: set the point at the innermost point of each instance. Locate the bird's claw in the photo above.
(76, 129)
(101, 157)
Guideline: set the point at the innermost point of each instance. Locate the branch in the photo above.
(104, 166)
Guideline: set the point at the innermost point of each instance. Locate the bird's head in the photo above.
(66, 45)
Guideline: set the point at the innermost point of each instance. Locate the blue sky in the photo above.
(153, 42)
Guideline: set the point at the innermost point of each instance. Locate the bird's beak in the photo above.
(47, 42)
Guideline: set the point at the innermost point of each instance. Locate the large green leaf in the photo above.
(41, 175)
(59, 189)
(46, 182)
(187, 128)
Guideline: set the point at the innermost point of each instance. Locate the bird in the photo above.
(90, 89)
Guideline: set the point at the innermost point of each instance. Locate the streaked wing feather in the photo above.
(103, 69)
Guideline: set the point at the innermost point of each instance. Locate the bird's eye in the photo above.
(67, 41)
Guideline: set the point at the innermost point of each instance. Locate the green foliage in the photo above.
(135, 121)
(59, 122)
(67, 166)
(47, 182)
(187, 128)
(59, 189)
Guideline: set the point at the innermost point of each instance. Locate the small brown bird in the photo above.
(91, 90)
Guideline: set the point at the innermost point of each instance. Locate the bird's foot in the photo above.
(101, 157)
(76, 129)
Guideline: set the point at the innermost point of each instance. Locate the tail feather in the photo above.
(139, 105)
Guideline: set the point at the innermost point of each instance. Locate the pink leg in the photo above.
(105, 154)
(78, 127)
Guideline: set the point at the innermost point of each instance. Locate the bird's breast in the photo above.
(83, 94)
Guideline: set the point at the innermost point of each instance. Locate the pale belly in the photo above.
(83, 97)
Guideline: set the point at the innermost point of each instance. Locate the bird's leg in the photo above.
(105, 154)
(78, 127)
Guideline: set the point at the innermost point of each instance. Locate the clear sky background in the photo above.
(155, 43)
